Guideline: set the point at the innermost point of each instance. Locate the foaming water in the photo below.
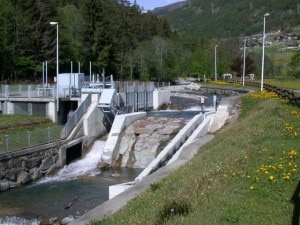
(17, 220)
(173, 114)
(86, 166)
(194, 108)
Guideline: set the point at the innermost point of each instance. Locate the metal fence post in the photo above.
(28, 138)
(215, 102)
(6, 88)
(49, 135)
(5, 143)
(29, 91)
(30, 109)
(20, 89)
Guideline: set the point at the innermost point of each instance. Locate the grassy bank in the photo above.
(246, 175)
(16, 123)
(284, 83)
(17, 127)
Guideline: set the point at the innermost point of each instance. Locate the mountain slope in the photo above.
(160, 11)
(231, 18)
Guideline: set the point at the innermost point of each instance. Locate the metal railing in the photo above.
(27, 139)
(27, 91)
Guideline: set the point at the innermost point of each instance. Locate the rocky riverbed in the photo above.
(145, 139)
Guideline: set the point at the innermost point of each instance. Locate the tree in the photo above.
(238, 63)
(37, 45)
(71, 30)
(200, 61)
(294, 65)
(7, 40)
(99, 38)
(107, 33)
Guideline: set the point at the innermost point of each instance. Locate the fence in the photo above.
(283, 93)
(27, 139)
(27, 91)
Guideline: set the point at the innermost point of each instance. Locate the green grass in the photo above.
(15, 123)
(15, 129)
(246, 175)
(292, 84)
(284, 83)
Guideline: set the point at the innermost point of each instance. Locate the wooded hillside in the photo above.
(107, 33)
(232, 18)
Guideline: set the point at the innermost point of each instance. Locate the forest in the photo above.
(118, 37)
(114, 36)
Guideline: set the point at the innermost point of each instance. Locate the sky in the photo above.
(151, 4)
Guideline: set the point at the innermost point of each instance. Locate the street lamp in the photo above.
(57, 70)
(216, 62)
(263, 54)
(244, 64)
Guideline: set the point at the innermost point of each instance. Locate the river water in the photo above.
(79, 186)
(76, 189)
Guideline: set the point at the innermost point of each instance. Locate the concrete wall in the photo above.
(223, 112)
(121, 122)
(92, 122)
(51, 111)
(8, 107)
(201, 131)
(161, 97)
(22, 167)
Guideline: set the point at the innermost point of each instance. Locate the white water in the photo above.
(16, 220)
(194, 108)
(86, 166)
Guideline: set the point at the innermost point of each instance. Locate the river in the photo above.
(76, 189)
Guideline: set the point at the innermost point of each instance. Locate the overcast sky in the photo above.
(151, 4)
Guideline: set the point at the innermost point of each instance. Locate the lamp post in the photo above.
(244, 64)
(57, 69)
(216, 62)
(263, 54)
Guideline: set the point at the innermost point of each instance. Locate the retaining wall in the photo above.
(22, 167)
